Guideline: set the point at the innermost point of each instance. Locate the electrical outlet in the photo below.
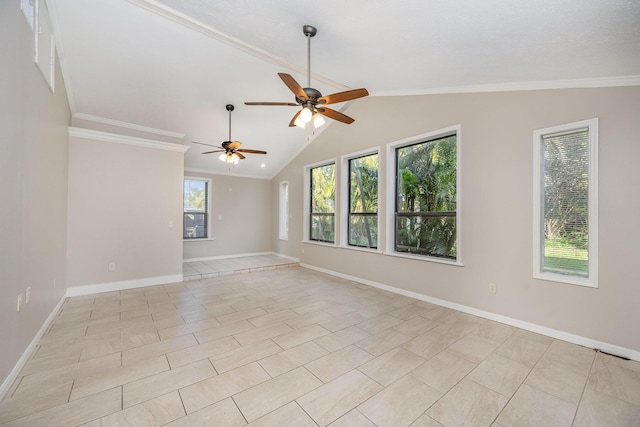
(27, 295)
(170, 224)
(112, 266)
(492, 288)
(19, 302)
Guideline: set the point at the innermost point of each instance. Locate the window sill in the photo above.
(208, 239)
(426, 258)
(361, 249)
(569, 280)
(315, 242)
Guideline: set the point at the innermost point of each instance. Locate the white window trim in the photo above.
(538, 239)
(306, 238)
(210, 219)
(344, 199)
(391, 193)
(283, 210)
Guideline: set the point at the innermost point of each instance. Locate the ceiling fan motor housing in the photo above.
(312, 94)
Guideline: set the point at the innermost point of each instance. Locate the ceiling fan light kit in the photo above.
(310, 99)
(229, 158)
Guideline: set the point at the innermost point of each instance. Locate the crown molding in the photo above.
(211, 172)
(127, 140)
(126, 125)
(519, 86)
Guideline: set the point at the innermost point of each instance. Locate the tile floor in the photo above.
(195, 270)
(294, 347)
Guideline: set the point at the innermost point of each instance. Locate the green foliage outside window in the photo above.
(323, 190)
(566, 203)
(195, 214)
(363, 201)
(426, 198)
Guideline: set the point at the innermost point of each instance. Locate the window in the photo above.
(565, 203)
(322, 209)
(196, 209)
(425, 220)
(362, 221)
(283, 211)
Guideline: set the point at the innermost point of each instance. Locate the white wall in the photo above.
(497, 196)
(33, 189)
(122, 199)
(240, 217)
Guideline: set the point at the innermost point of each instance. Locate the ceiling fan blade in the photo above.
(247, 150)
(214, 151)
(291, 104)
(293, 120)
(293, 85)
(335, 115)
(347, 95)
(234, 145)
(239, 155)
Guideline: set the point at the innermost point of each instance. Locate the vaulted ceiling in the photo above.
(174, 65)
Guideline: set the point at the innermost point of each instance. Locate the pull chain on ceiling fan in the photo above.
(310, 99)
(230, 150)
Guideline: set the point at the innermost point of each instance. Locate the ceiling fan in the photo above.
(310, 99)
(231, 151)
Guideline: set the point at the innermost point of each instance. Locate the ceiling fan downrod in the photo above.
(309, 31)
(229, 108)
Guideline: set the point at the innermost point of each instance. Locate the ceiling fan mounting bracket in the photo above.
(229, 107)
(309, 30)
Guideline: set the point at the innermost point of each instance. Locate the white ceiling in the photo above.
(175, 64)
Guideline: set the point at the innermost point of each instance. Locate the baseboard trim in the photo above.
(532, 327)
(118, 286)
(6, 385)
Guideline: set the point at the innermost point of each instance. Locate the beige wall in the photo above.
(497, 164)
(240, 217)
(122, 199)
(33, 189)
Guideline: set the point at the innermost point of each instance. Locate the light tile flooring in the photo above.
(195, 270)
(294, 347)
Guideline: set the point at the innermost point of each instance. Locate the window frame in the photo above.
(307, 203)
(591, 125)
(345, 190)
(392, 197)
(207, 211)
(283, 210)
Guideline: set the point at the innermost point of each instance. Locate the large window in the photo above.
(322, 210)
(363, 201)
(195, 209)
(565, 191)
(283, 211)
(426, 196)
